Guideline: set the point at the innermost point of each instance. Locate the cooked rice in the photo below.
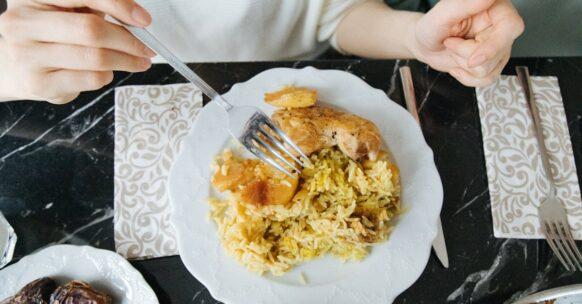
(341, 208)
(302, 279)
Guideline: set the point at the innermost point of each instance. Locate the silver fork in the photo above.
(552, 214)
(249, 125)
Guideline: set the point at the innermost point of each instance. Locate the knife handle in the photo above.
(408, 87)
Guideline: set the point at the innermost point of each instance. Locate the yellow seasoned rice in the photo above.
(340, 208)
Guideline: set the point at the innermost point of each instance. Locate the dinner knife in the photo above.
(438, 244)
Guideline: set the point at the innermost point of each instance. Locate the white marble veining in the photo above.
(197, 294)
(10, 127)
(425, 98)
(471, 201)
(106, 215)
(63, 121)
(393, 78)
(477, 285)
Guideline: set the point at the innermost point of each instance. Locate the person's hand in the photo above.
(470, 39)
(54, 49)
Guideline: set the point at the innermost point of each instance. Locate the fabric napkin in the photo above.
(150, 122)
(517, 183)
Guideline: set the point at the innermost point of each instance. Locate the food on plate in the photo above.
(35, 292)
(292, 97)
(341, 203)
(77, 292)
(315, 128)
(341, 207)
(252, 181)
(45, 291)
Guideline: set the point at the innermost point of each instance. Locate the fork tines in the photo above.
(562, 244)
(270, 144)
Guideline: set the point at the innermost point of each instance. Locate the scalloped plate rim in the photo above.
(268, 295)
(84, 252)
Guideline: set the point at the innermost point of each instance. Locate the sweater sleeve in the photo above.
(332, 14)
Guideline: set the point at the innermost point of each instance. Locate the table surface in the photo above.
(56, 178)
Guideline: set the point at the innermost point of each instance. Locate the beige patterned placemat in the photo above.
(150, 122)
(516, 179)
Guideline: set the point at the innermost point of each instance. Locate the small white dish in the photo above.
(391, 267)
(105, 270)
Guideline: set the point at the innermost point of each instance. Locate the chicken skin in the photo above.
(315, 128)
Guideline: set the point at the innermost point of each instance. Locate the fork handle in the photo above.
(523, 76)
(153, 43)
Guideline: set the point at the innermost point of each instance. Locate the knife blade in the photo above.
(438, 244)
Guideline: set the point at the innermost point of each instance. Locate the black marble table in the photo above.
(56, 178)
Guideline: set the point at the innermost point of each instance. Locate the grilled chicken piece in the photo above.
(253, 181)
(292, 97)
(315, 128)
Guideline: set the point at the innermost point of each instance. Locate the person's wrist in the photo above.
(5, 92)
(412, 44)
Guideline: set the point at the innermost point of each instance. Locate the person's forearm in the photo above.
(4, 95)
(4, 99)
(374, 30)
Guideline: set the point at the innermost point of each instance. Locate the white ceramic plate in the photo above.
(391, 267)
(105, 270)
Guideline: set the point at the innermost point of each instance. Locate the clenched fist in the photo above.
(54, 49)
(470, 39)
